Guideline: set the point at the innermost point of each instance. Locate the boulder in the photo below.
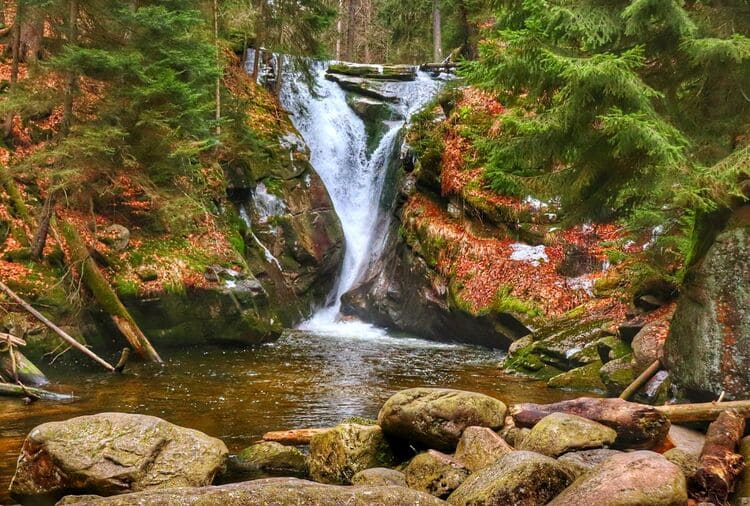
(708, 347)
(115, 236)
(436, 417)
(688, 440)
(648, 344)
(274, 491)
(686, 461)
(560, 433)
(618, 374)
(585, 378)
(272, 457)
(379, 477)
(519, 478)
(640, 478)
(336, 455)
(479, 447)
(435, 473)
(114, 453)
(580, 463)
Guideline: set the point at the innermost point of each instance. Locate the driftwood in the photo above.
(641, 380)
(704, 412)
(57, 330)
(638, 426)
(296, 437)
(10, 390)
(124, 356)
(106, 297)
(719, 465)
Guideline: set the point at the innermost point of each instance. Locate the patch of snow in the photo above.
(529, 254)
(535, 203)
(230, 284)
(587, 228)
(656, 232)
(584, 283)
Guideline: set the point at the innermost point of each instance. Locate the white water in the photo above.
(338, 144)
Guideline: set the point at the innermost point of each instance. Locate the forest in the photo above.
(466, 252)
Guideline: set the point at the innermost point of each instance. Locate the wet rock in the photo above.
(114, 453)
(435, 473)
(338, 454)
(612, 348)
(580, 463)
(436, 417)
(629, 479)
(618, 374)
(274, 491)
(584, 378)
(272, 458)
(379, 477)
(628, 330)
(384, 72)
(520, 344)
(115, 236)
(519, 478)
(560, 433)
(687, 462)
(707, 348)
(648, 344)
(479, 447)
(687, 440)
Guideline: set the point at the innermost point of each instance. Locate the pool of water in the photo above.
(303, 380)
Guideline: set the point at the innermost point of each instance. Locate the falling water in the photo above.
(338, 143)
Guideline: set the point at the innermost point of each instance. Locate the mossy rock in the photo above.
(611, 348)
(378, 72)
(561, 433)
(272, 458)
(435, 473)
(585, 379)
(618, 374)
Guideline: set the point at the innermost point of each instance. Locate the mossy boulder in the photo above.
(520, 478)
(584, 378)
(437, 417)
(648, 344)
(686, 461)
(114, 453)
(560, 433)
(480, 447)
(379, 477)
(629, 479)
(336, 455)
(378, 72)
(272, 458)
(618, 374)
(435, 473)
(581, 462)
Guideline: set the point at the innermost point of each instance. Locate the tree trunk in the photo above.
(719, 464)
(297, 437)
(106, 297)
(217, 90)
(67, 120)
(16, 43)
(8, 390)
(638, 426)
(351, 30)
(22, 369)
(437, 32)
(339, 29)
(259, 38)
(743, 486)
(40, 238)
(704, 412)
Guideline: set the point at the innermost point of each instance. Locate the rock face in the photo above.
(435, 473)
(480, 447)
(114, 453)
(273, 458)
(629, 479)
(379, 477)
(519, 478)
(560, 433)
(436, 417)
(338, 454)
(708, 347)
(275, 491)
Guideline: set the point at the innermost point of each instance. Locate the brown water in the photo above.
(303, 380)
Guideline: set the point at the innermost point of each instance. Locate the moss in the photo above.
(584, 378)
(506, 302)
(126, 287)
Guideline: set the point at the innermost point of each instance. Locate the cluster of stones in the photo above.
(468, 452)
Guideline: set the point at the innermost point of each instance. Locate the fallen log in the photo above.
(703, 412)
(720, 465)
(296, 437)
(638, 426)
(743, 485)
(10, 390)
(21, 368)
(106, 297)
(57, 330)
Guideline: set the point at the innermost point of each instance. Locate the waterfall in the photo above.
(338, 143)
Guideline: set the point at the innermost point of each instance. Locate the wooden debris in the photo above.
(16, 367)
(743, 485)
(10, 390)
(124, 356)
(641, 380)
(720, 465)
(296, 437)
(704, 412)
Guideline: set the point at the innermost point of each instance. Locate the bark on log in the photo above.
(638, 426)
(720, 465)
(25, 370)
(743, 485)
(106, 297)
(9, 390)
(296, 437)
(704, 412)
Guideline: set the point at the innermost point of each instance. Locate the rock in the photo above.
(435, 473)
(479, 447)
(146, 273)
(640, 478)
(628, 330)
(384, 72)
(519, 478)
(338, 454)
(649, 302)
(687, 462)
(648, 344)
(114, 453)
(379, 477)
(612, 348)
(513, 435)
(688, 440)
(274, 491)
(519, 344)
(618, 374)
(560, 433)
(272, 458)
(436, 417)
(115, 236)
(706, 351)
(580, 463)
(584, 378)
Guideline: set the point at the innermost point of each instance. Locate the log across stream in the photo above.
(303, 380)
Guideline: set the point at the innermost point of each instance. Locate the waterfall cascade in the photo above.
(337, 140)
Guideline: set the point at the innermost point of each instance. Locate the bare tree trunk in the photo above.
(217, 90)
(2, 12)
(437, 32)
(16, 44)
(70, 90)
(40, 238)
(368, 20)
(351, 30)
(339, 29)
(259, 38)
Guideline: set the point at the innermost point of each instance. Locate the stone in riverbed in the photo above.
(686, 461)
(437, 417)
(479, 447)
(336, 455)
(114, 453)
(580, 463)
(560, 433)
(435, 473)
(519, 478)
(270, 492)
(640, 478)
(379, 477)
(272, 458)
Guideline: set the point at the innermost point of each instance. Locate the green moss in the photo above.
(584, 378)
(126, 287)
(506, 302)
